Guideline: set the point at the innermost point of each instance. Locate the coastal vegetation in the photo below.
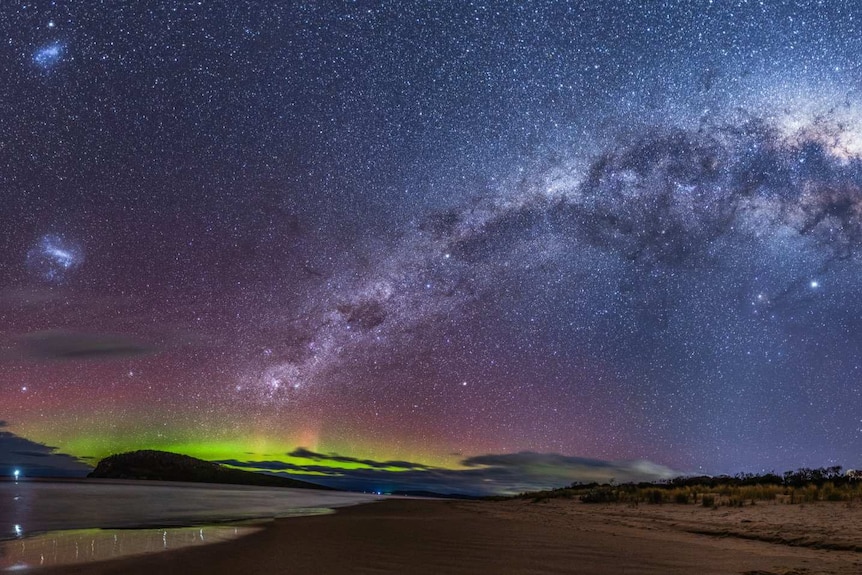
(805, 485)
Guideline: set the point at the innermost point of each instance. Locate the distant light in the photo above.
(16, 474)
(18, 531)
(814, 284)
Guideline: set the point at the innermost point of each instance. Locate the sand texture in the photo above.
(557, 536)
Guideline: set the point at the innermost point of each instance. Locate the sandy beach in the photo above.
(558, 536)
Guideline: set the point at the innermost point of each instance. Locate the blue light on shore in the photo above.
(16, 474)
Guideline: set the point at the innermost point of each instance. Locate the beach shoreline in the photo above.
(35, 507)
(460, 537)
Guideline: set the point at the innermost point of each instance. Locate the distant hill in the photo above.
(165, 466)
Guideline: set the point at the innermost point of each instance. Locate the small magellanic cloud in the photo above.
(49, 55)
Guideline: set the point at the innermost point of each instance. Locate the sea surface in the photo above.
(48, 523)
(29, 507)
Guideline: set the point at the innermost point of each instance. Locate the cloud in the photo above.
(482, 475)
(36, 459)
(307, 454)
(568, 469)
(63, 345)
(30, 297)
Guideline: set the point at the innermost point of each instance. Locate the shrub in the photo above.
(708, 501)
(600, 496)
(654, 496)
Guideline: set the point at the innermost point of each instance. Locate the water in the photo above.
(89, 545)
(46, 523)
(30, 507)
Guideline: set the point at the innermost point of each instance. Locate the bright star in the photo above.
(814, 284)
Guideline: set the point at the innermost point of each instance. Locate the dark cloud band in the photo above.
(482, 475)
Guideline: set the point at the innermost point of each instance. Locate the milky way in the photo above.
(436, 235)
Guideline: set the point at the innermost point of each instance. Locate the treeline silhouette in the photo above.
(801, 486)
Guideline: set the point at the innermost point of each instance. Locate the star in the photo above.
(322, 214)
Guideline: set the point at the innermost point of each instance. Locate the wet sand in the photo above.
(558, 536)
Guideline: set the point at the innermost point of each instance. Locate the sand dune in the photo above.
(558, 536)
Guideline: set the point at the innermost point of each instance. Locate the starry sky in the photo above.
(476, 245)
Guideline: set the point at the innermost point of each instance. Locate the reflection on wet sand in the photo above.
(88, 545)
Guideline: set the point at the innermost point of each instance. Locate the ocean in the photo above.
(65, 522)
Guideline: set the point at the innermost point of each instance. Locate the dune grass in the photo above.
(793, 487)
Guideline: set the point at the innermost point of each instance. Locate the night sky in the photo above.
(477, 245)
